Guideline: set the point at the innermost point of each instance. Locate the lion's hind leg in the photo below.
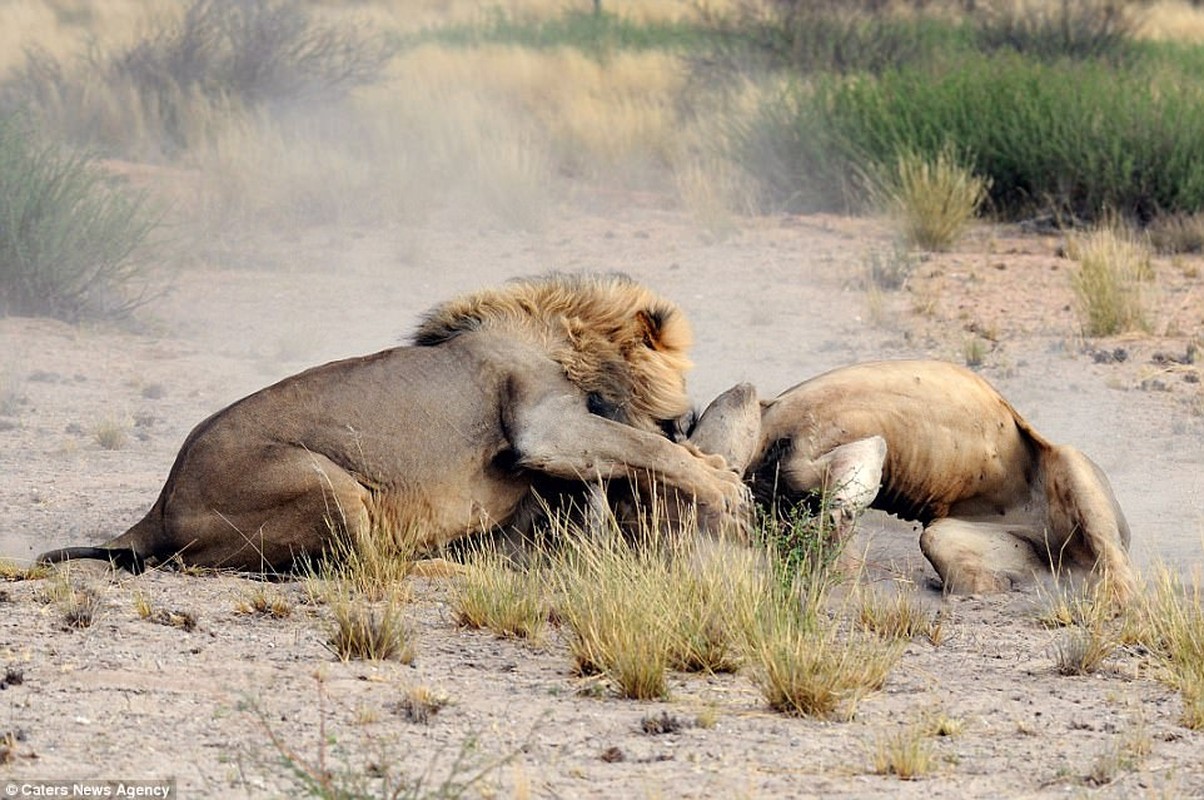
(1087, 529)
(980, 557)
(295, 505)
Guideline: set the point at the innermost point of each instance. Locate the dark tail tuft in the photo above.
(120, 557)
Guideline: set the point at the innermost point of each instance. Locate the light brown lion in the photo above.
(931, 442)
(540, 382)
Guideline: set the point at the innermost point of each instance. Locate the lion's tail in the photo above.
(129, 551)
(126, 558)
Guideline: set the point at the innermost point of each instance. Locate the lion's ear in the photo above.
(651, 325)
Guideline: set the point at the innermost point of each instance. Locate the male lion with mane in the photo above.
(930, 442)
(553, 379)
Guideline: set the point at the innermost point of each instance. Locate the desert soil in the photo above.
(782, 300)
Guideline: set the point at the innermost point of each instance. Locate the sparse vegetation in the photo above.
(896, 614)
(1124, 754)
(804, 671)
(421, 703)
(1173, 628)
(265, 602)
(374, 633)
(111, 434)
(495, 595)
(1081, 651)
(78, 603)
(71, 245)
(906, 753)
(1111, 282)
(933, 201)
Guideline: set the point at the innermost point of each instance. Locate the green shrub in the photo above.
(69, 242)
(1080, 138)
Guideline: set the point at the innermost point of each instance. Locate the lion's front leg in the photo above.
(557, 436)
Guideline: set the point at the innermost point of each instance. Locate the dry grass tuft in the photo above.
(1112, 281)
(174, 618)
(111, 434)
(1081, 651)
(897, 615)
(638, 610)
(497, 597)
(932, 200)
(907, 753)
(804, 667)
(1094, 628)
(1172, 626)
(12, 571)
(421, 703)
(611, 597)
(369, 632)
(78, 603)
(1170, 234)
(373, 566)
(265, 602)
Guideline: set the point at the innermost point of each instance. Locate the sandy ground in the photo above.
(781, 301)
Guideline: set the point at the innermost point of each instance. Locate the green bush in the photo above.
(1078, 137)
(69, 242)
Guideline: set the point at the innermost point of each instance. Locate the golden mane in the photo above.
(613, 337)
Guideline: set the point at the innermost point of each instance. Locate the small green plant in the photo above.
(70, 244)
(801, 542)
(1114, 268)
(933, 200)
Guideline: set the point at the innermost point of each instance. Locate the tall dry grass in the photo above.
(933, 201)
(813, 670)
(502, 597)
(1172, 21)
(1113, 282)
(1172, 626)
(638, 610)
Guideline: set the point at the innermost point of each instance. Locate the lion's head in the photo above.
(623, 345)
